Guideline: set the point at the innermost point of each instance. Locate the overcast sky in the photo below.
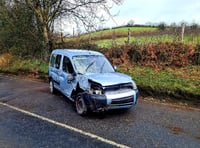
(154, 11)
(169, 11)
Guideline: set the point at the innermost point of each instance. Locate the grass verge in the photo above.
(179, 83)
(28, 68)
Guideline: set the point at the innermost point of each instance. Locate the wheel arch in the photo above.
(76, 91)
(50, 78)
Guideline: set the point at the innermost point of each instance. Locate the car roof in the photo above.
(75, 52)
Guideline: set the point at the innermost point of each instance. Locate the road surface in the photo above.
(32, 117)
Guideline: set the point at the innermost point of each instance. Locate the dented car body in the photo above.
(88, 79)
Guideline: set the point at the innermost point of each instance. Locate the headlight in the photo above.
(134, 85)
(95, 89)
(97, 92)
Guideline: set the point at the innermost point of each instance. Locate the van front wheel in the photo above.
(80, 105)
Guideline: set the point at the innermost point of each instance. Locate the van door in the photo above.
(66, 78)
(55, 71)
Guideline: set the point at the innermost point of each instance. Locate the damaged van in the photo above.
(89, 80)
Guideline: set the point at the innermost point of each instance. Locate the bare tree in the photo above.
(85, 12)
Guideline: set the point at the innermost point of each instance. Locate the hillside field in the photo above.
(119, 36)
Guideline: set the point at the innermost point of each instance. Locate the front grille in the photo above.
(118, 87)
(122, 101)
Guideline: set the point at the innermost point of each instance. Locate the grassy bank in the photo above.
(179, 83)
(185, 79)
(32, 68)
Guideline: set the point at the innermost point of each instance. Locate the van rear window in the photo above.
(55, 61)
(53, 58)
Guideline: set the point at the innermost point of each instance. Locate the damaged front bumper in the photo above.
(125, 100)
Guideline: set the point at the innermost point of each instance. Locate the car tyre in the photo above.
(51, 87)
(80, 105)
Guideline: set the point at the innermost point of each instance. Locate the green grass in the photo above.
(171, 81)
(16, 65)
(120, 41)
(188, 39)
(192, 39)
(123, 30)
(103, 39)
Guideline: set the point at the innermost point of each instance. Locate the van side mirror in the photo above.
(70, 77)
(115, 68)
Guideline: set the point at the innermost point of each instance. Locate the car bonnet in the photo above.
(106, 79)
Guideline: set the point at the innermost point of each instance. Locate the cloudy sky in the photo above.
(169, 11)
(145, 11)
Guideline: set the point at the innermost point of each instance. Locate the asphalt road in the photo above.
(31, 117)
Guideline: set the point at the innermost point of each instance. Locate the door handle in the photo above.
(59, 72)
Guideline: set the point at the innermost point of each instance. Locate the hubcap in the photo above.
(80, 105)
(51, 86)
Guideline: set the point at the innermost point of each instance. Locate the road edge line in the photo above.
(93, 136)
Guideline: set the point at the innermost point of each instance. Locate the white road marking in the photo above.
(66, 126)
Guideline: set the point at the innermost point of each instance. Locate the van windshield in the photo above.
(92, 64)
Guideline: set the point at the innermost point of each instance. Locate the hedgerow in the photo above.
(155, 54)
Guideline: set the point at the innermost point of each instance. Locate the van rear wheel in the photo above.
(51, 87)
(80, 105)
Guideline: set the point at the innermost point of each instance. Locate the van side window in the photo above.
(67, 66)
(53, 58)
(57, 63)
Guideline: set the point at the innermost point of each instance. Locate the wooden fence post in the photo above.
(182, 32)
(129, 35)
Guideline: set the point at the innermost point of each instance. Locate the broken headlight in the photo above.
(97, 92)
(95, 88)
